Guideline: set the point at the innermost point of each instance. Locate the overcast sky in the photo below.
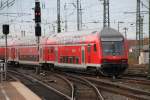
(92, 12)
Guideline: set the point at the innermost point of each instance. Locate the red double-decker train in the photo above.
(104, 51)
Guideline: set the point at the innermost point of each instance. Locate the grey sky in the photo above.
(92, 12)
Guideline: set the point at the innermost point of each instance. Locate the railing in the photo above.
(2, 71)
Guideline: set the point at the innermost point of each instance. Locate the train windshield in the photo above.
(112, 48)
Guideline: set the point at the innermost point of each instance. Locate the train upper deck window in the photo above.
(112, 48)
(51, 50)
(89, 48)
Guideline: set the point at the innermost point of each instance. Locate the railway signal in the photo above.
(37, 12)
(58, 17)
(5, 32)
(6, 29)
(38, 30)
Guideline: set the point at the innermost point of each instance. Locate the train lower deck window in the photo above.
(61, 59)
(71, 60)
(77, 60)
(66, 59)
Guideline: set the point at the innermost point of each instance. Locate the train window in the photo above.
(67, 59)
(52, 50)
(61, 59)
(89, 48)
(95, 49)
(112, 48)
(49, 50)
(77, 60)
(71, 60)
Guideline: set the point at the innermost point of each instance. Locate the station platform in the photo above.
(16, 91)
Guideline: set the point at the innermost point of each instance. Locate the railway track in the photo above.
(40, 88)
(57, 82)
(137, 80)
(72, 86)
(120, 89)
(84, 89)
(81, 88)
(125, 87)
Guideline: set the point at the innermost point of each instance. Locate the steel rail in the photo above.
(100, 97)
(40, 82)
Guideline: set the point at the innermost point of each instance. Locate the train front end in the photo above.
(114, 52)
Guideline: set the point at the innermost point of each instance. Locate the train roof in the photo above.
(109, 34)
(67, 37)
(73, 33)
(104, 34)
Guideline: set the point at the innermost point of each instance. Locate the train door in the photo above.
(10, 49)
(56, 54)
(41, 54)
(83, 54)
(17, 54)
(12, 53)
(89, 53)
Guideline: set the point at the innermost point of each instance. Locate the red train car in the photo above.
(103, 51)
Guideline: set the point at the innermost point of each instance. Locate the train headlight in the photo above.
(124, 61)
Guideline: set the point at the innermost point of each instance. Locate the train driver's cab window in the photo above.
(112, 48)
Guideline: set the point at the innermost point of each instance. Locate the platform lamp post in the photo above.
(5, 32)
(37, 12)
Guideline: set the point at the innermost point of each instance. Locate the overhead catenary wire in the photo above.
(7, 4)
